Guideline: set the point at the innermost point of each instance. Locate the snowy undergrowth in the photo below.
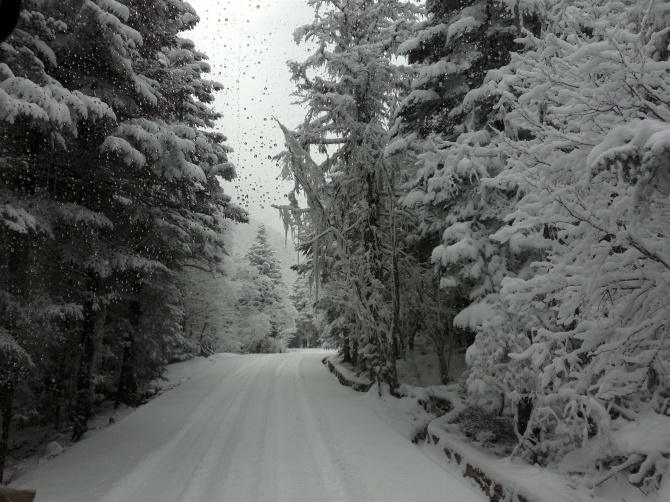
(422, 397)
(435, 415)
(33, 446)
(532, 481)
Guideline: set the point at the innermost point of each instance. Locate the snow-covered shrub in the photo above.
(497, 382)
(587, 144)
(487, 427)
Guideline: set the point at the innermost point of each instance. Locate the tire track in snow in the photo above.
(249, 463)
(184, 448)
(223, 447)
(337, 484)
(275, 427)
(273, 480)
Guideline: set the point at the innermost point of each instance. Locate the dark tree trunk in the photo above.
(396, 352)
(354, 352)
(128, 390)
(84, 393)
(444, 367)
(410, 339)
(346, 353)
(385, 348)
(59, 391)
(395, 323)
(524, 408)
(6, 402)
(439, 342)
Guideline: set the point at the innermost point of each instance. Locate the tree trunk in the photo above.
(388, 371)
(524, 408)
(384, 333)
(395, 273)
(346, 353)
(6, 401)
(59, 391)
(396, 353)
(84, 393)
(411, 337)
(128, 390)
(444, 367)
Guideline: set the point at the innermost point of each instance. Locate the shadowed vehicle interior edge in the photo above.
(13, 495)
(9, 15)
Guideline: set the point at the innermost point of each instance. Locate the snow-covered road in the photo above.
(257, 427)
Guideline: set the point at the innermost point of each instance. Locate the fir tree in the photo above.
(262, 256)
(270, 296)
(124, 195)
(349, 101)
(303, 300)
(581, 342)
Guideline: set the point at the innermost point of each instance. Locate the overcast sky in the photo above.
(248, 44)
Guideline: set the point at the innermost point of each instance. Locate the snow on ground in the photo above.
(253, 427)
(178, 373)
(33, 446)
(532, 481)
(563, 483)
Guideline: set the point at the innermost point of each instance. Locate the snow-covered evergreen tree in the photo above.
(586, 146)
(448, 127)
(125, 193)
(302, 297)
(349, 86)
(269, 297)
(262, 256)
(454, 48)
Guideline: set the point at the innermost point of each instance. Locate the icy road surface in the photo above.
(257, 427)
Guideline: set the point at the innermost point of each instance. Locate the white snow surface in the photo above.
(253, 427)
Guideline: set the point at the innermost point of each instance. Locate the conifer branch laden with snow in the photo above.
(349, 85)
(109, 185)
(587, 333)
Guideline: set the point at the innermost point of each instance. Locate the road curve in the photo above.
(257, 427)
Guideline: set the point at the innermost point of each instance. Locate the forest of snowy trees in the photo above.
(494, 176)
(114, 227)
(109, 195)
(488, 177)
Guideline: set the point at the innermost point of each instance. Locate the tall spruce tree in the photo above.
(110, 184)
(302, 298)
(270, 297)
(449, 124)
(349, 86)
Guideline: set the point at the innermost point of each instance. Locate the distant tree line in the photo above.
(243, 308)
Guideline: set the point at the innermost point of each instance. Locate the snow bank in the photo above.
(175, 375)
(501, 478)
(512, 479)
(345, 375)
